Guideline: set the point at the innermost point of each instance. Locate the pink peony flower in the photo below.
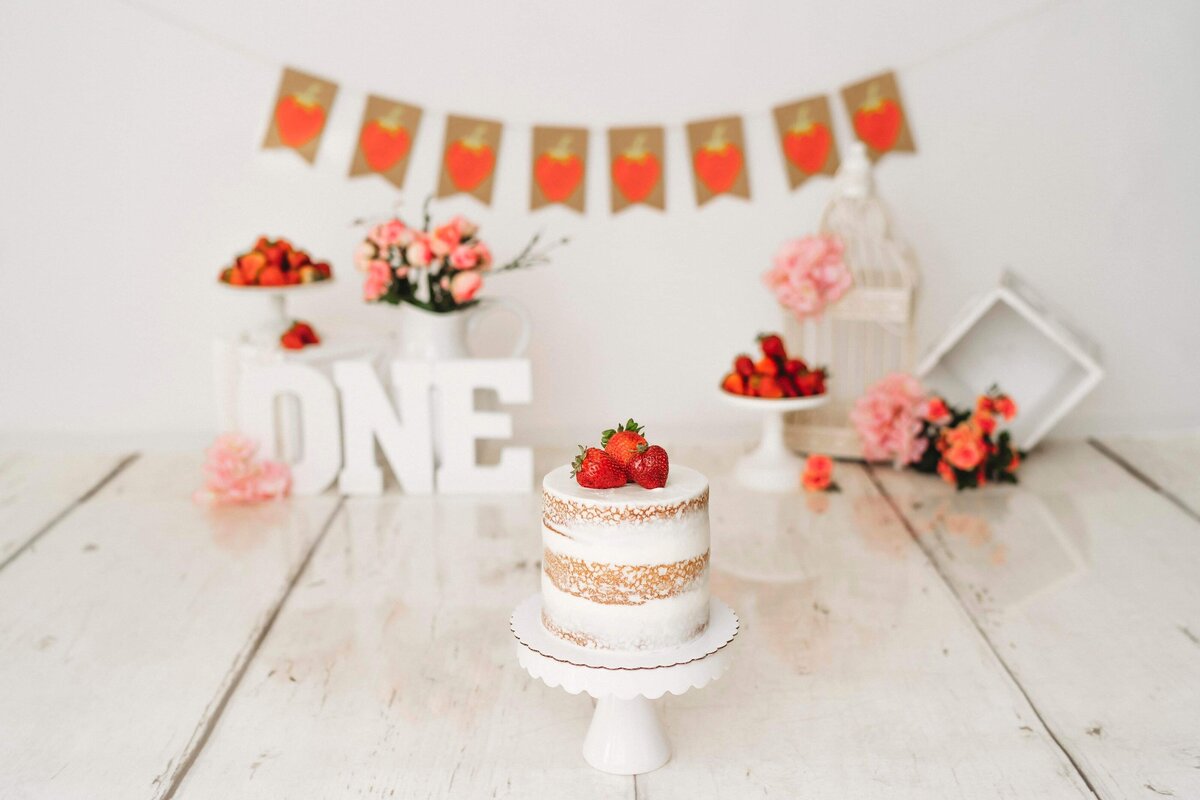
(464, 285)
(232, 475)
(888, 419)
(420, 252)
(808, 274)
(464, 257)
(379, 278)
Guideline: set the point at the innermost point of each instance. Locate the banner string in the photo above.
(233, 46)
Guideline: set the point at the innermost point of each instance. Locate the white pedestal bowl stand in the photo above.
(626, 736)
(771, 467)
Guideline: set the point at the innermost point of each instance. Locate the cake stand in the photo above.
(771, 467)
(275, 317)
(626, 736)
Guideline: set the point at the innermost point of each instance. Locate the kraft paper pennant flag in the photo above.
(469, 157)
(806, 139)
(559, 165)
(718, 158)
(878, 115)
(298, 116)
(635, 165)
(385, 139)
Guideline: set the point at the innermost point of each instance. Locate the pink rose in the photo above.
(388, 233)
(466, 228)
(483, 256)
(363, 255)
(445, 238)
(464, 285)
(379, 278)
(419, 253)
(464, 257)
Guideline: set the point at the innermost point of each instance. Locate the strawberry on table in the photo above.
(622, 442)
(649, 467)
(595, 469)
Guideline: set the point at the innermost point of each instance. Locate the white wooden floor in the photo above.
(898, 640)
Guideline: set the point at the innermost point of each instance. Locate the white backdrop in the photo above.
(1061, 144)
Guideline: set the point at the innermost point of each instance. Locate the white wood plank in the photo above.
(1084, 580)
(123, 629)
(1170, 461)
(391, 671)
(37, 488)
(857, 673)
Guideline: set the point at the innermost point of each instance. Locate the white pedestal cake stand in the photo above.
(771, 467)
(274, 316)
(626, 736)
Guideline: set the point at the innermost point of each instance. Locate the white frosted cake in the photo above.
(625, 568)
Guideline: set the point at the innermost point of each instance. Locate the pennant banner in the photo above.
(635, 167)
(469, 157)
(385, 139)
(299, 113)
(806, 139)
(877, 112)
(718, 158)
(559, 167)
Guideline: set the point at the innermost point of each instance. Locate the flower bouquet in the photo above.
(897, 419)
(809, 274)
(439, 269)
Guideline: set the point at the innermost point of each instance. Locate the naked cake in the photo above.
(624, 567)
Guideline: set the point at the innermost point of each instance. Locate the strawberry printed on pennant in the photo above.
(718, 158)
(469, 157)
(385, 139)
(559, 167)
(806, 139)
(298, 117)
(877, 113)
(636, 167)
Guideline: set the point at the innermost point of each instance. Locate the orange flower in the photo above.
(1005, 406)
(818, 473)
(815, 483)
(819, 464)
(947, 473)
(984, 421)
(984, 404)
(963, 446)
(1016, 462)
(936, 411)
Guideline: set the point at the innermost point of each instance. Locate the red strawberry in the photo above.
(795, 366)
(810, 383)
(769, 387)
(788, 384)
(595, 469)
(271, 276)
(772, 345)
(291, 341)
(622, 442)
(649, 467)
(296, 259)
(307, 334)
(766, 366)
(734, 383)
(744, 365)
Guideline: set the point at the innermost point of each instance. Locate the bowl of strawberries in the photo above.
(274, 265)
(773, 385)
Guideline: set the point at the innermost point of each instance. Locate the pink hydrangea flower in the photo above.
(379, 277)
(464, 285)
(888, 419)
(233, 475)
(808, 274)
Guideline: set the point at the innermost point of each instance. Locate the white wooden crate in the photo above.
(1011, 336)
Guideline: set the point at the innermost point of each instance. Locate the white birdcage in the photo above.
(869, 332)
